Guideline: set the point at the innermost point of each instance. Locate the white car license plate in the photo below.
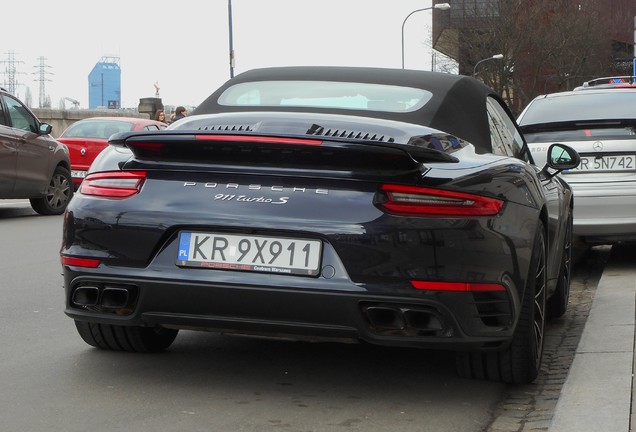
(249, 253)
(78, 174)
(606, 163)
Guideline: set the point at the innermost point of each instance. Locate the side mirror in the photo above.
(561, 157)
(45, 129)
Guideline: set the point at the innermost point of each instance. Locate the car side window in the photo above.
(505, 137)
(20, 116)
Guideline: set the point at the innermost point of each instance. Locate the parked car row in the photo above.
(45, 170)
(394, 207)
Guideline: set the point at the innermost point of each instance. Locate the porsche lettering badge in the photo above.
(256, 187)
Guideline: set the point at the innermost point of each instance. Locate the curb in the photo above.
(597, 394)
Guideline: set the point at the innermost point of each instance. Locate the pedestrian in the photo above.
(180, 113)
(160, 115)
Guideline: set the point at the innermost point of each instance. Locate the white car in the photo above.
(598, 120)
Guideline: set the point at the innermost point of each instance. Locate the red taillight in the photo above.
(115, 184)
(80, 262)
(456, 286)
(418, 201)
(150, 147)
(259, 139)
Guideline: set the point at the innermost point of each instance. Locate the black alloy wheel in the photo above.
(520, 361)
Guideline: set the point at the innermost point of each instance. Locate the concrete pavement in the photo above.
(598, 391)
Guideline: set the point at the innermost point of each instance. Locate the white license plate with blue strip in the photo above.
(249, 253)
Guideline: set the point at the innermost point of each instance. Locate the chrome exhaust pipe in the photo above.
(385, 318)
(114, 297)
(86, 296)
(422, 320)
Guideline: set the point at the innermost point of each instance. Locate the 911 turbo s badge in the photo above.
(244, 198)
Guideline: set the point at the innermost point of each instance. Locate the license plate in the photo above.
(249, 253)
(606, 163)
(78, 174)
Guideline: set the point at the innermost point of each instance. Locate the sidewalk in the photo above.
(597, 394)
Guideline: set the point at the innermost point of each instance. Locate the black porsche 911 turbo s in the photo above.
(394, 207)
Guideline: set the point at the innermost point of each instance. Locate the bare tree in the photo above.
(443, 63)
(548, 45)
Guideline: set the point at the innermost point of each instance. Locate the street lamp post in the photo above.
(441, 6)
(229, 17)
(495, 57)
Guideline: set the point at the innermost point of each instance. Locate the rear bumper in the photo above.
(369, 299)
(428, 320)
(604, 215)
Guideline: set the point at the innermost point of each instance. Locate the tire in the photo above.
(58, 194)
(558, 304)
(520, 361)
(126, 338)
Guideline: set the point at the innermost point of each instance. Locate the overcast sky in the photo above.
(184, 45)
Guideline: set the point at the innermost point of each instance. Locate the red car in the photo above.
(86, 138)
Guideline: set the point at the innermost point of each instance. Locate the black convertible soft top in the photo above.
(458, 104)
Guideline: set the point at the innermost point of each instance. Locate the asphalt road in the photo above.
(52, 381)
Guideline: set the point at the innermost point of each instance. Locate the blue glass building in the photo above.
(104, 84)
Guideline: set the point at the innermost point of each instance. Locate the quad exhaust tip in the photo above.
(408, 320)
(86, 296)
(107, 297)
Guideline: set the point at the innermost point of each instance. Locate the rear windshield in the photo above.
(584, 105)
(96, 129)
(326, 94)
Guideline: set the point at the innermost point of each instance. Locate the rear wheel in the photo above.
(126, 338)
(58, 194)
(520, 362)
(558, 304)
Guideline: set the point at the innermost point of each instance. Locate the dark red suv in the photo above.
(33, 165)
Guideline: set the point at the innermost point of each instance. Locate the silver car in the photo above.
(600, 123)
